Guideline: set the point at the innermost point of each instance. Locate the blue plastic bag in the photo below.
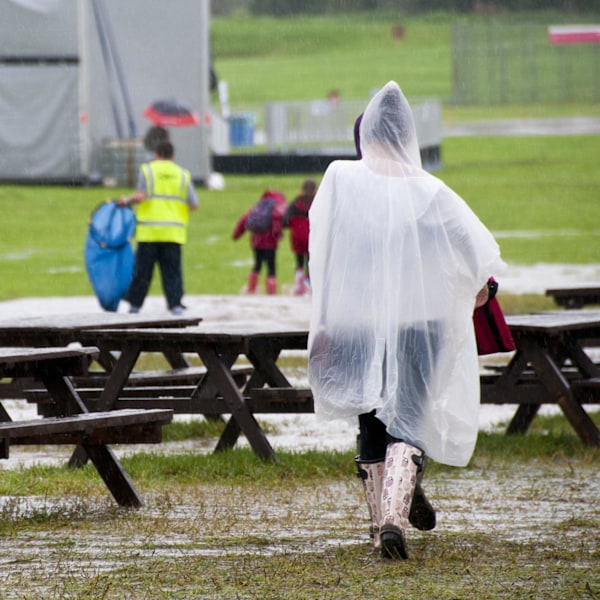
(109, 256)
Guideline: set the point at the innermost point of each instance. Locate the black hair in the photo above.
(164, 149)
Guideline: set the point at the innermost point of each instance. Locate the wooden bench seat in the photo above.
(575, 297)
(112, 427)
(165, 378)
(280, 400)
(529, 390)
(172, 382)
(90, 394)
(260, 400)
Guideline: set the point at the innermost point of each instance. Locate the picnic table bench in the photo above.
(151, 384)
(63, 330)
(217, 392)
(551, 365)
(575, 297)
(118, 427)
(73, 424)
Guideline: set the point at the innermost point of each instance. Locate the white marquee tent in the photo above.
(76, 74)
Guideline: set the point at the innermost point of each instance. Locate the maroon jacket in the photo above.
(269, 239)
(296, 218)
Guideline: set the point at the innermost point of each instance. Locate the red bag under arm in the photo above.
(491, 331)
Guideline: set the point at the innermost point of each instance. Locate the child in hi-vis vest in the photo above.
(263, 221)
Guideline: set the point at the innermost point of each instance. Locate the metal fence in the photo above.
(328, 126)
(497, 63)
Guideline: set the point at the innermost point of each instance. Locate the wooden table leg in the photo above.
(263, 354)
(506, 383)
(103, 458)
(115, 382)
(113, 474)
(206, 389)
(523, 418)
(235, 401)
(554, 381)
(176, 359)
(4, 416)
(230, 435)
(118, 377)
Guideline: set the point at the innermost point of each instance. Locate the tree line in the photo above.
(287, 8)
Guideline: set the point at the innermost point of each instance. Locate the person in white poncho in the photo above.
(397, 260)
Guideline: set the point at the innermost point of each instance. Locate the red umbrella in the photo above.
(171, 113)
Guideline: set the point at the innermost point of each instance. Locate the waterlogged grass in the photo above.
(517, 525)
(549, 438)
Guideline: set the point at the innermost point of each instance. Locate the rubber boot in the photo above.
(271, 285)
(371, 474)
(402, 461)
(422, 514)
(299, 283)
(252, 282)
(307, 288)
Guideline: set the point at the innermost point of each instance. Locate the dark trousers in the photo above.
(168, 257)
(373, 437)
(267, 256)
(302, 262)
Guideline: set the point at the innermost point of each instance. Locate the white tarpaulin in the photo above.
(39, 129)
(76, 74)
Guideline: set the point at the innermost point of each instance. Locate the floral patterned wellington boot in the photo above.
(371, 474)
(402, 461)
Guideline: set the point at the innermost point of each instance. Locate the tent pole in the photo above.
(112, 45)
(204, 36)
(107, 64)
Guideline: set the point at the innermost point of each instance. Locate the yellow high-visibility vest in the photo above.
(163, 215)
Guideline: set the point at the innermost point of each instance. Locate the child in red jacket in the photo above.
(263, 221)
(296, 218)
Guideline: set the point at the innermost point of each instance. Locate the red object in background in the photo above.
(574, 34)
(171, 113)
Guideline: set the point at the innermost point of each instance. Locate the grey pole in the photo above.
(204, 107)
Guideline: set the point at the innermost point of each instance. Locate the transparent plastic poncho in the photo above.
(396, 261)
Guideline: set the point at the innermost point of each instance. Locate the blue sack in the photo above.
(109, 256)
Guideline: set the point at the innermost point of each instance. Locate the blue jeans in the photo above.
(168, 257)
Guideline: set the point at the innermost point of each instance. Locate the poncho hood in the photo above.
(387, 128)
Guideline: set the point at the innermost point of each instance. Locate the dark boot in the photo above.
(422, 513)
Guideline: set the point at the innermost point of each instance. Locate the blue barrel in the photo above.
(241, 129)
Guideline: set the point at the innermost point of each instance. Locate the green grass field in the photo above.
(519, 521)
(228, 525)
(267, 59)
(538, 193)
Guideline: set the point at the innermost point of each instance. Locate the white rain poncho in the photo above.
(396, 261)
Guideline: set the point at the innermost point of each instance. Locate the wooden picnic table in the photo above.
(62, 330)
(72, 423)
(217, 392)
(551, 365)
(575, 297)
